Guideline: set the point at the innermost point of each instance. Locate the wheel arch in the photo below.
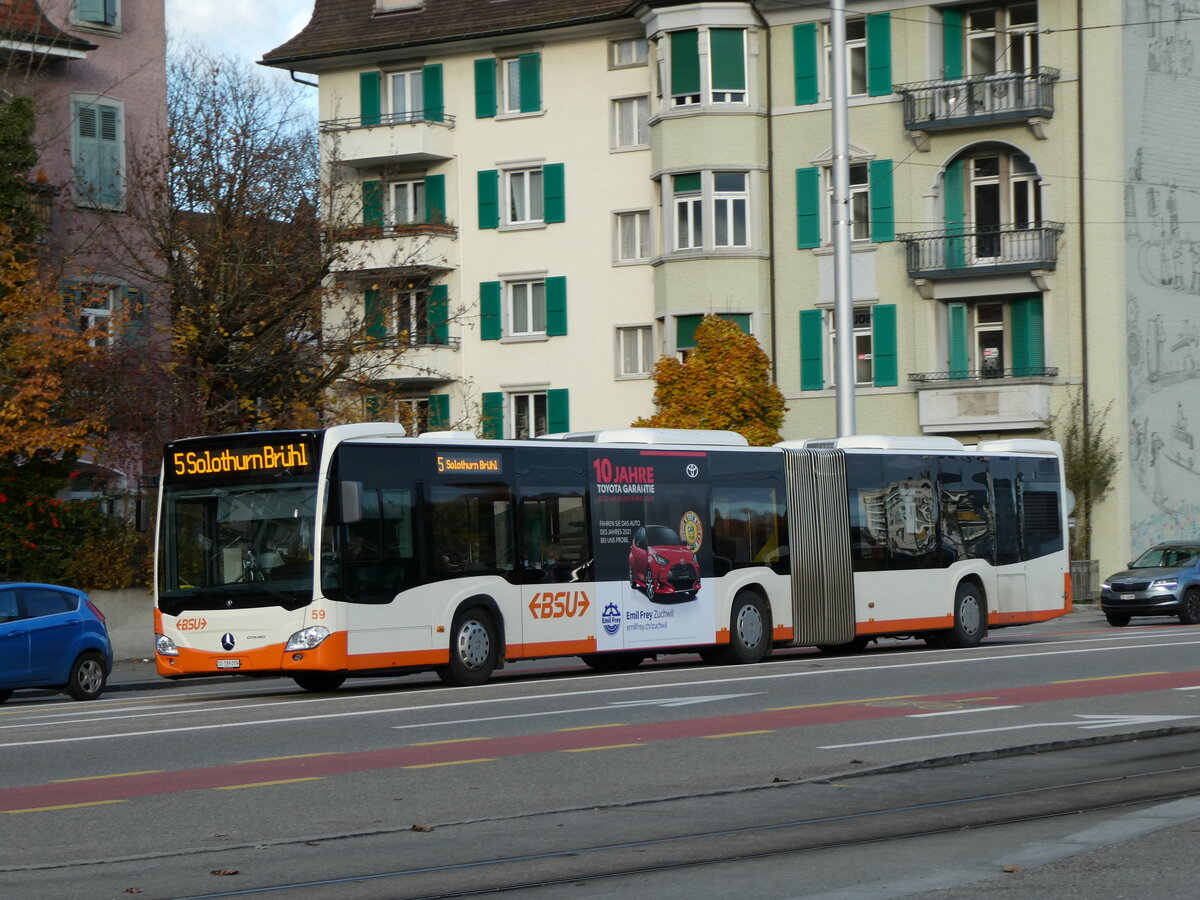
(486, 601)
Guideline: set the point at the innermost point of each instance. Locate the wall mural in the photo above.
(1162, 236)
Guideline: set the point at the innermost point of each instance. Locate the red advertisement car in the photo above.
(662, 566)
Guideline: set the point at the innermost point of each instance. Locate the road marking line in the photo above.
(592, 727)
(116, 775)
(960, 712)
(844, 702)
(738, 734)
(254, 784)
(453, 762)
(1109, 677)
(608, 747)
(451, 741)
(62, 806)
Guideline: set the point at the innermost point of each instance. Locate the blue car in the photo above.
(52, 637)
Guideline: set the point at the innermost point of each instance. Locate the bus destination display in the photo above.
(243, 459)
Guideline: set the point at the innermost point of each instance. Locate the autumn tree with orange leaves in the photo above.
(724, 384)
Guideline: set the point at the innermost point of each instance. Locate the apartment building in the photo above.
(586, 180)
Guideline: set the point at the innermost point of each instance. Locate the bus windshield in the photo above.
(243, 545)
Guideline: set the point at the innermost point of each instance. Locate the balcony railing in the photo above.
(958, 376)
(378, 232)
(413, 117)
(978, 100)
(984, 251)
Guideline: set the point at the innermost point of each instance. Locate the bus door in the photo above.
(819, 534)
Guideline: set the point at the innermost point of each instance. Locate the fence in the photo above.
(1085, 580)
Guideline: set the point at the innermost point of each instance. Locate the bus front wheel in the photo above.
(970, 618)
(473, 649)
(749, 630)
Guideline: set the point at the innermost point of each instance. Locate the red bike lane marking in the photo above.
(102, 788)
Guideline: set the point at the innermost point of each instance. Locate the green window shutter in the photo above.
(808, 208)
(99, 153)
(485, 88)
(488, 182)
(685, 184)
(955, 213)
(489, 310)
(959, 358)
(374, 314)
(883, 345)
(102, 12)
(727, 52)
(685, 331)
(369, 92)
(556, 306)
(372, 197)
(952, 44)
(1028, 336)
(685, 62)
(558, 411)
(530, 66)
(491, 423)
(554, 193)
(437, 314)
(883, 215)
(812, 340)
(804, 63)
(439, 412)
(741, 320)
(435, 198)
(433, 99)
(879, 55)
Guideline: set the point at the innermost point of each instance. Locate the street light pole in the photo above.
(843, 302)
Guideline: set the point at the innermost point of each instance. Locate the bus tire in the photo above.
(1189, 608)
(474, 648)
(319, 682)
(749, 630)
(857, 645)
(970, 617)
(87, 678)
(613, 662)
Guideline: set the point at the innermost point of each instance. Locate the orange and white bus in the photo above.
(354, 551)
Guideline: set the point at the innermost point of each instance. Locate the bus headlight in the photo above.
(307, 638)
(164, 646)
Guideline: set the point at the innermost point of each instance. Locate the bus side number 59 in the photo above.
(318, 613)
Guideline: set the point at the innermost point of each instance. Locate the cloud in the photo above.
(246, 29)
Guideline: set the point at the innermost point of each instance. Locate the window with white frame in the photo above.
(412, 317)
(864, 360)
(730, 199)
(510, 85)
(1001, 38)
(856, 57)
(408, 202)
(635, 350)
(860, 202)
(631, 122)
(408, 101)
(723, 80)
(529, 416)
(633, 235)
(526, 307)
(688, 200)
(96, 303)
(628, 52)
(525, 196)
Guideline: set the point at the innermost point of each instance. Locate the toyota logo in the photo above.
(693, 470)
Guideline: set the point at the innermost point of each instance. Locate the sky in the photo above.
(246, 28)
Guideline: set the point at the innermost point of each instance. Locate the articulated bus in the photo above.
(356, 551)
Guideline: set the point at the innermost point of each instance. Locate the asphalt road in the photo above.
(896, 772)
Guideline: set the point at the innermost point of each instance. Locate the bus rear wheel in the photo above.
(473, 649)
(319, 682)
(749, 630)
(613, 662)
(970, 618)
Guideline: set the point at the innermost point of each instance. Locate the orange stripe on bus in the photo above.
(399, 659)
(550, 648)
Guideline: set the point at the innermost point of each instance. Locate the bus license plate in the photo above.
(229, 663)
(1127, 596)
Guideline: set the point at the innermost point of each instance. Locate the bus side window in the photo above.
(554, 536)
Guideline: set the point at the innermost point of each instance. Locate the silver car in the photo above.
(1163, 581)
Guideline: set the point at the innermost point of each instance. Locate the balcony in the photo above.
(361, 141)
(995, 250)
(417, 360)
(988, 400)
(979, 100)
(393, 247)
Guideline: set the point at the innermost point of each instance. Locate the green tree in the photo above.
(724, 384)
(17, 157)
(1090, 458)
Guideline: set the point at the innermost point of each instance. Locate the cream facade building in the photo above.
(549, 195)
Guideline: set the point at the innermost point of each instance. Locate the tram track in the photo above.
(653, 847)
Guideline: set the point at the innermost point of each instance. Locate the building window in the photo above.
(633, 235)
(635, 351)
(98, 152)
(723, 80)
(689, 211)
(95, 304)
(860, 203)
(408, 202)
(856, 57)
(529, 415)
(1001, 39)
(631, 126)
(729, 209)
(412, 318)
(992, 338)
(1000, 198)
(864, 362)
(408, 99)
(97, 13)
(520, 84)
(628, 52)
(874, 334)
(526, 307)
(525, 196)
(685, 331)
